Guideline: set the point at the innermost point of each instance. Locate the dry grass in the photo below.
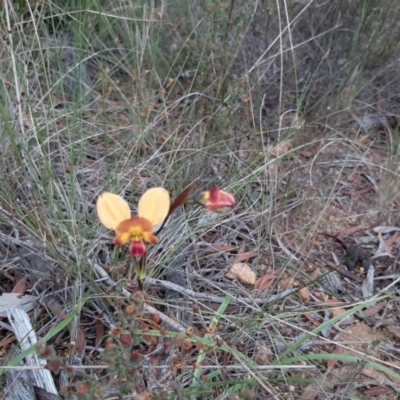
(290, 105)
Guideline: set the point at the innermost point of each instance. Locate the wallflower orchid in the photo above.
(215, 199)
(114, 213)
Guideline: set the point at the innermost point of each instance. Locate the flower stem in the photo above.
(139, 266)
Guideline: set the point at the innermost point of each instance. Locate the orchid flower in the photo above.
(114, 213)
(215, 199)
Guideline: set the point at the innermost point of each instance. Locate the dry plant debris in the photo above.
(242, 272)
(293, 106)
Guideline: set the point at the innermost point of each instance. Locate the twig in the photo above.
(285, 249)
(169, 322)
(70, 367)
(217, 299)
(253, 367)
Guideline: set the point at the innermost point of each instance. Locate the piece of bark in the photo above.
(42, 394)
(18, 382)
(26, 337)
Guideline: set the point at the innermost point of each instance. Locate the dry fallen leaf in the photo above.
(374, 309)
(243, 273)
(80, 342)
(352, 231)
(20, 286)
(377, 391)
(337, 311)
(304, 293)
(243, 256)
(308, 151)
(331, 363)
(285, 283)
(265, 282)
(4, 343)
(312, 319)
(281, 148)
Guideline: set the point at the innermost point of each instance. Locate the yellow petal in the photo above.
(112, 210)
(154, 205)
(122, 238)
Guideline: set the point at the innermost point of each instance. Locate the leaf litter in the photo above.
(296, 250)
